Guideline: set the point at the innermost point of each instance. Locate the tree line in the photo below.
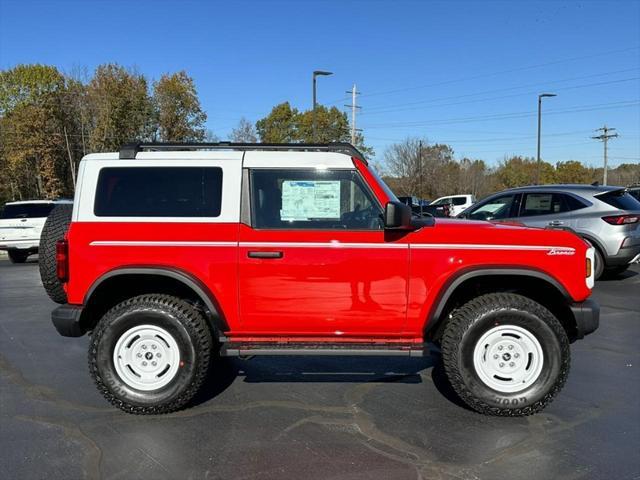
(49, 120)
(416, 167)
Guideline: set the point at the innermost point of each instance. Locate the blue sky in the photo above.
(463, 73)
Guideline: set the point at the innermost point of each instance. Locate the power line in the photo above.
(502, 72)
(412, 105)
(604, 138)
(509, 115)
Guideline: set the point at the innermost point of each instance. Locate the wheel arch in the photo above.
(529, 282)
(121, 283)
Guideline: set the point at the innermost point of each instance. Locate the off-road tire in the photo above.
(466, 327)
(16, 256)
(54, 229)
(183, 322)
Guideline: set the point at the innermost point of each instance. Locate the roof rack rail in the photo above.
(129, 150)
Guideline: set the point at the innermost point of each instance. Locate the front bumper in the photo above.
(66, 319)
(587, 316)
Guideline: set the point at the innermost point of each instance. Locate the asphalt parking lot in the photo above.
(312, 418)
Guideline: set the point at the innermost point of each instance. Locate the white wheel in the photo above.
(508, 358)
(146, 357)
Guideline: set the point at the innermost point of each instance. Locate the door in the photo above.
(549, 209)
(314, 259)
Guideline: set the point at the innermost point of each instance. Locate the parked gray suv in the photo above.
(607, 217)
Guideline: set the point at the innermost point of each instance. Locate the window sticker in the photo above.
(538, 201)
(310, 199)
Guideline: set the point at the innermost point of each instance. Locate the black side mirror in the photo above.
(397, 216)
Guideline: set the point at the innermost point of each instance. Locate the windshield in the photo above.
(27, 210)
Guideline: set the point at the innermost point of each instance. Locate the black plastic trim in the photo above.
(66, 319)
(130, 150)
(587, 315)
(217, 316)
(453, 283)
(236, 349)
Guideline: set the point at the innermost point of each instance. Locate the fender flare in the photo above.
(450, 286)
(196, 285)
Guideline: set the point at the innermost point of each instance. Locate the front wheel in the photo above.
(150, 354)
(505, 354)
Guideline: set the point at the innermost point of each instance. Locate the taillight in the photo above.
(621, 219)
(62, 260)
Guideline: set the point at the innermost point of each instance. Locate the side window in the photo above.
(548, 204)
(496, 209)
(442, 201)
(159, 192)
(312, 199)
(457, 201)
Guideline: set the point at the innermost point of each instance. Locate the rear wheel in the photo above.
(505, 354)
(150, 354)
(16, 256)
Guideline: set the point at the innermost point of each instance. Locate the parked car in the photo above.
(21, 225)
(607, 217)
(458, 203)
(634, 191)
(423, 207)
(176, 254)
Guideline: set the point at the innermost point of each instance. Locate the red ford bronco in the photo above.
(175, 254)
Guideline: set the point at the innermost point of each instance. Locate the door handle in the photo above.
(269, 254)
(556, 223)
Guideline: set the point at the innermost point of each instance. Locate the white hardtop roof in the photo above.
(24, 202)
(252, 159)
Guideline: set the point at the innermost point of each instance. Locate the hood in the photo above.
(460, 231)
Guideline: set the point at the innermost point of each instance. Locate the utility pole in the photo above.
(421, 176)
(354, 93)
(604, 138)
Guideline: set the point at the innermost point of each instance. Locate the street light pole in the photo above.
(316, 73)
(540, 97)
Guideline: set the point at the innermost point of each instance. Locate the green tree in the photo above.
(573, 172)
(285, 124)
(331, 125)
(179, 114)
(517, 171)
(33, 120)
(121, 108)
(280, 126)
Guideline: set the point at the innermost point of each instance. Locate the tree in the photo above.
(331, 125)
(121, 108)
(280, 126)
(517, 171)
(245, 132)
(179, 115)
(426, 173)
(573, 172)
(33, 119)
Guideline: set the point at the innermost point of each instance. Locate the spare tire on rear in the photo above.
(54, 229)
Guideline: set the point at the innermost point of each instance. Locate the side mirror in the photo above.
(397, 216)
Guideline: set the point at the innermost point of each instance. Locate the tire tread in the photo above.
(463, 319)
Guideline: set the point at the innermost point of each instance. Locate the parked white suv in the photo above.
(459, 203)
(21, 225)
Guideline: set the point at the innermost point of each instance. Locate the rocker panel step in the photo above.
(237, 349)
